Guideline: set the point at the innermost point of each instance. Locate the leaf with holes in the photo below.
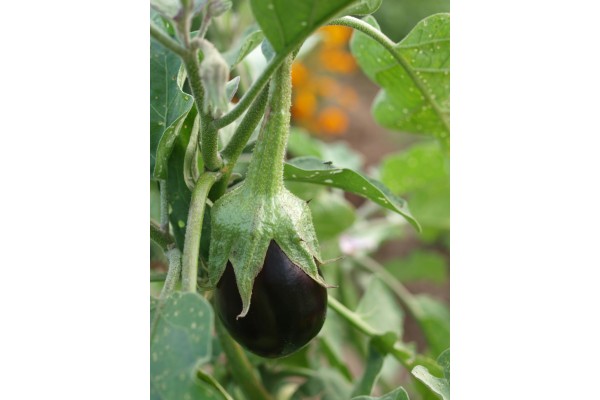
(415, 77)
(286, 23)
(313, 170)
(169, 106)
(180, 342)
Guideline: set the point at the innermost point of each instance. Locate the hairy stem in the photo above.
(390, 46)
(208, 133)
(164, 207)
(251, 94)
(193, 230)
(242, 370)
(160, 237)
(157, 34)
(265, 173)
(174, 256)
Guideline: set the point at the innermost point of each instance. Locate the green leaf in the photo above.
(301, 143)
(331, 214)
(396, 394)
(440, 386)
(312, 170)
(421, 173)
(251, 38)
(178, 194)
(420, 265)
(287, 23)
(363, 7)
(415, 79)
(169, 106)
(373, 366)
(434, 319)
(180, 342)
(379, 309)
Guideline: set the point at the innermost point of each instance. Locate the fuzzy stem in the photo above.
(158, 236)
(265, 173)
(208, 133)
(174, 256)
(164, 207)
(193, 230)
(157, 34)
(251, 94)
(242, 370)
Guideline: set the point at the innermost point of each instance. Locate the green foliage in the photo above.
(169, 106)
(180, 342)
(306, 205)
(415, 77)
(287, 23)
(422, 173)
(312, 170)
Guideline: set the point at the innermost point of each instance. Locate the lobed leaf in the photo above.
(169, 106)
(415, 77)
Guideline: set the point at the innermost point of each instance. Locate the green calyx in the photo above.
(261, 209)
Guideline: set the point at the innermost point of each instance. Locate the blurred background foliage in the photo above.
(396, 278)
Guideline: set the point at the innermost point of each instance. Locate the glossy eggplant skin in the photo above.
(287, 307)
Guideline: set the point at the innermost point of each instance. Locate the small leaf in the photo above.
(396, 394)
(287, 23)
(169, 106)
(180, 341)
(415, 79)
(444, 361)
(251, 38)
(439, 386)
(312, 170)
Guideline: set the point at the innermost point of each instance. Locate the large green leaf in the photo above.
(312, 170)
(421, 173)
(169, 106)
(396, 394)
(286, 23)
(415, 78)
(180, 343)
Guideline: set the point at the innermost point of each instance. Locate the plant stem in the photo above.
(265, 173)
(157, 34)
(193, 230)
(397, 350)
(252, 92)
(208, 133)
(174, 256)
(243, 372)
(390, 46)
(164, 207)
(158, 236)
